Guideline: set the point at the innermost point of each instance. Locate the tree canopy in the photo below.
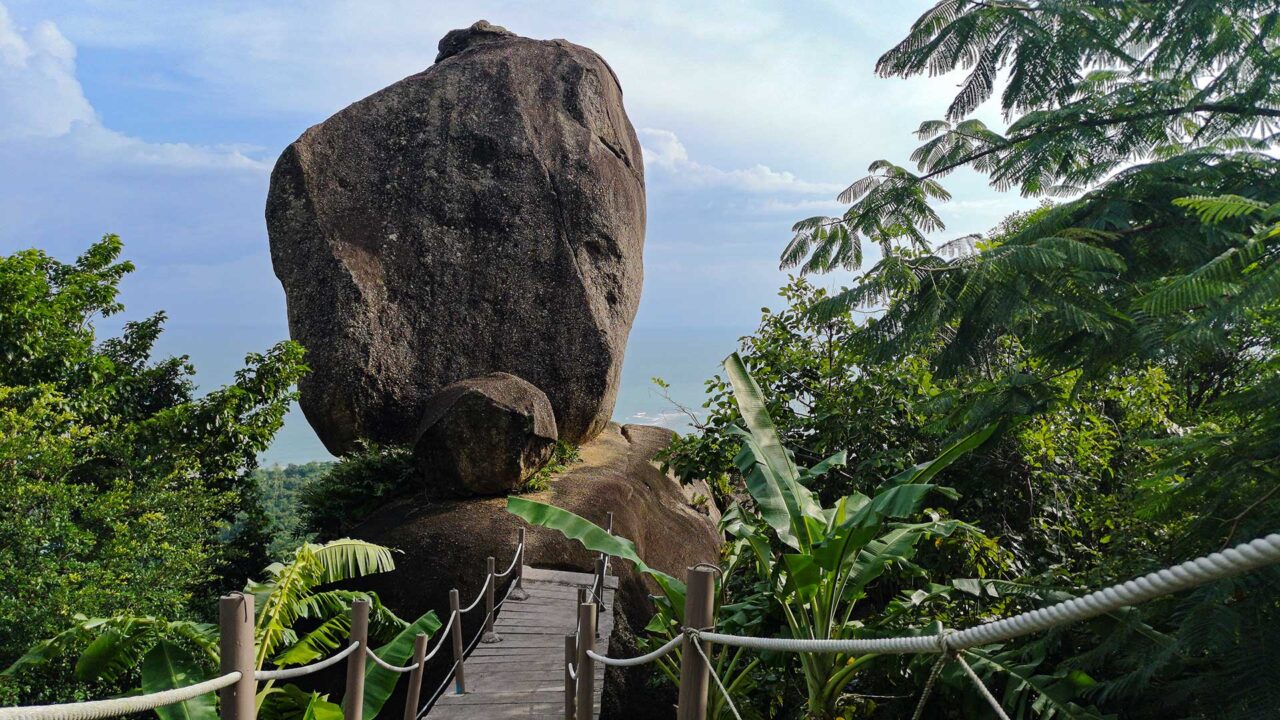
(1122, 336)
(124, 491)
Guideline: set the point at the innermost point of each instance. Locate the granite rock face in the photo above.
(485, 435)
(484, 215)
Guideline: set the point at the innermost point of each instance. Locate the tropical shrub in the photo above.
(298, 620)
(352, 488)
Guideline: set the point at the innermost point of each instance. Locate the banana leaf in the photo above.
(771, 476)
(379, 682)
(925, 471)
(594, 538)
(169, 666)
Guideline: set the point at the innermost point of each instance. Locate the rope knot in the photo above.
(944, 640)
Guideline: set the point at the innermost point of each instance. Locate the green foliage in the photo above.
(299, 619)
(1125, 338)
(123, 491)
(355, 486)
(170, 666)
(807, 565)
(1092, 88)
(280, 490)
(822, 398)
(816, 564)
(564, 455)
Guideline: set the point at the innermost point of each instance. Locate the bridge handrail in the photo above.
(293, 672)
(114, 707)
(949, 644)
(1183, 576)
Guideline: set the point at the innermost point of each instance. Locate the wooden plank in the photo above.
(523, 675)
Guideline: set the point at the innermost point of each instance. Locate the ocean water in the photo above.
(684, 357)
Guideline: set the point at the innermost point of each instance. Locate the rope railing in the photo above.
(1183, 576)
(519, 554)
(288, 673)
(639, 659)
(476, 603)
(444, 632)
(388, 666)
(239, 685)
(115, 707)
(453, 628)
(950, 645)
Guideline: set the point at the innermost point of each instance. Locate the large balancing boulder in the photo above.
(484, 215)
(485, 435)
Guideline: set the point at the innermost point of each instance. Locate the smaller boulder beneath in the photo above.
(485, 435)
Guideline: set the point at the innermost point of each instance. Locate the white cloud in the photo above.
(663, 149)
(785, 85)
(190, 215)
(39, 94)
(41, 99)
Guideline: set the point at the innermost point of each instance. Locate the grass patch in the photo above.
(562, 457)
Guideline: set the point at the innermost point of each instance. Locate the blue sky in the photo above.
(161, 121)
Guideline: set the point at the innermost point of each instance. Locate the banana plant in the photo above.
(817, 562)
(169, 654)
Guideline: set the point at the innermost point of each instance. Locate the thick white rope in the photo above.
(697, 645)
(116, 707)
(388, 666)
(639, 659)
(928, 685)
(487, 579)
(444, 633)
(1233, 561)
(573, 673)
(879, 646)
(294, 672)
(982, 688)
(514, 558)
(1242, 558)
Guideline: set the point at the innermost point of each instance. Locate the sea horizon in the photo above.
(683, 356)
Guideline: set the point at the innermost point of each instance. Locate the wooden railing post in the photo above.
(599, 598)
(235, 621)
(570, 692)
(489, 636)
(699, 613)
(518, 593)
(353, 700)
(415, 677)
(455, 607)
(585, 666)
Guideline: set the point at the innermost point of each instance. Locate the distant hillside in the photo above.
(281, 487)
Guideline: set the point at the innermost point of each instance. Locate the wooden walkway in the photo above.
(523, 675)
